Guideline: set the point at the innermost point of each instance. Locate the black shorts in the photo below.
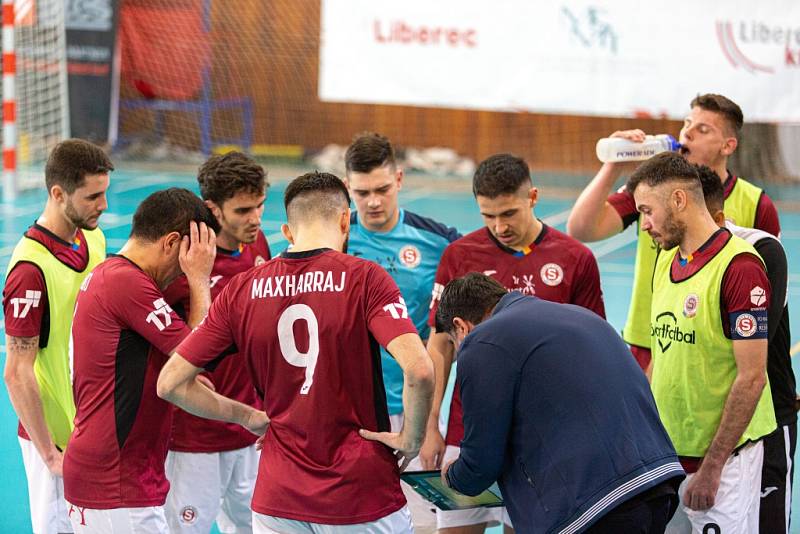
(776, 480)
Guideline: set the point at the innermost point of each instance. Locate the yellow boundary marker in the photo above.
(275, 151)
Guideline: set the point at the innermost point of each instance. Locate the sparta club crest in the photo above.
(690, 304)
(552, 274)
(746, 325)
(188, 515)
(410, 256)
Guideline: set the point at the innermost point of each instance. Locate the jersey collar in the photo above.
(527, 250)
(74, 245)
(361, 228)
(233, 253)
(304, 254)
(729, 184)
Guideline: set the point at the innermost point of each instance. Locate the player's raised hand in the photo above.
(631, 135)
(198, 251)
(404, 450)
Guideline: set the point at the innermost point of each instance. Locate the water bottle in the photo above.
(612, 149)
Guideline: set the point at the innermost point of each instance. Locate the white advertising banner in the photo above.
(614, 58)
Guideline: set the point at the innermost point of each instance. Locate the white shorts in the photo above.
(473, 516)
(45, 493)
(423, 513)
(205, 487)
(398, 522)
(148, 520)
(736, 506)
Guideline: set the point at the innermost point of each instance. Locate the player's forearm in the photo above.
(590, 209)
(199, 300)
(739, 409)
(23, 390)
(418, 388)
(442, 356)
(197, 399)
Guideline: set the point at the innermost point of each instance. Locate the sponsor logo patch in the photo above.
(259, 260)
(690, 304)
(552, 274)
(746, 325)
(666, 331)
(160, 317)
(436, 293)
(22, 305)
(524, 285)
(398, 310)
(758, 296)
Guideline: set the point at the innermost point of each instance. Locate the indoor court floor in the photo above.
(453, 206)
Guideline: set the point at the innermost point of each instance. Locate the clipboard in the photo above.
(429, 485)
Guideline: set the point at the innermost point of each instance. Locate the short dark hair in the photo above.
(170, 210)
(726, 107)
(367, 152)
(662, 168)
(469, 298)
(315, 194)
(222, 177)
(713, 190)
(501, 174)
(71, 161)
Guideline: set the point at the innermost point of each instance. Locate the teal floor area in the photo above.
(128, 188)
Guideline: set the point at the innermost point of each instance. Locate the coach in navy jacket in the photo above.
(558, 412)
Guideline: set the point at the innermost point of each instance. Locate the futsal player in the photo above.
(709, 344)
(709, 136)
(47, 267)
(114, 478)
(779, 447)
(212, 465)
(308, 324)
(409, 246)
(523, 254)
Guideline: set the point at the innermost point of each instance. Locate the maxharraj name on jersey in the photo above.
(294, 284)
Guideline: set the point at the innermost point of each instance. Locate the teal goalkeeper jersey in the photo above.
(410, 253)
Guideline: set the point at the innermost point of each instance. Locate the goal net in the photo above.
(40, 87)
(200, 76)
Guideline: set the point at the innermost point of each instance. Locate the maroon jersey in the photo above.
(557, 268)
(231, 378)
(745, 286)
(25, 304)
(25, 277)
(121, 333)
(308, 325)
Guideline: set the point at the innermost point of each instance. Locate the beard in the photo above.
(240, 233)
(77, 220)
(674, 232)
